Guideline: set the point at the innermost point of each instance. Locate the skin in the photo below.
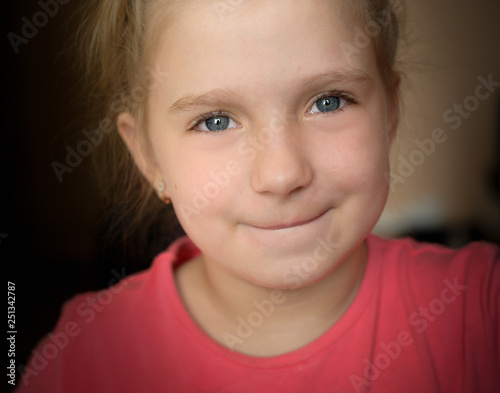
(291, 178)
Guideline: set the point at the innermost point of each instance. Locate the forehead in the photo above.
(258, 42)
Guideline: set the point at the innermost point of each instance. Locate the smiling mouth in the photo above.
(289, 224)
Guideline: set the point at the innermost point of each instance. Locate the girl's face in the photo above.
(271, 138)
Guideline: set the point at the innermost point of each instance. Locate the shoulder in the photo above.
(408, 252)
(423, 272)
(445, 301)
(131, 297)
(426, 271)
(95, 326)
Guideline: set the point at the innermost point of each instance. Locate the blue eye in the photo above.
(327, 104)
(215, 124)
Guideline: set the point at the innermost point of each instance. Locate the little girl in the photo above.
(267, 126)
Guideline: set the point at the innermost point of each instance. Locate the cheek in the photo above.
(369, 158)
(201, 182)
(355, 157)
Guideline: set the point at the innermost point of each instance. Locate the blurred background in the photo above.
(51, 231)
(447, 190)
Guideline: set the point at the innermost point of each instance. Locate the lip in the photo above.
(292, 224)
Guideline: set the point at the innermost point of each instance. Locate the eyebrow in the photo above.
(343, 75)
(219, 95)
(224, 96)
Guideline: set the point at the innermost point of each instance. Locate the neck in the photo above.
(261, 321)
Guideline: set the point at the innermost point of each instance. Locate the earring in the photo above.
(161, 187)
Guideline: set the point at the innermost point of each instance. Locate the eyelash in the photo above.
(200, 119)
(349, 100)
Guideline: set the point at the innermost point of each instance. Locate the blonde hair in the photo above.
(115, 40)
(381, 20)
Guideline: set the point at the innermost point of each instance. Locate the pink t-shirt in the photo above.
(425, 319)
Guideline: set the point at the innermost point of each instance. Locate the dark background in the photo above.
(51, 231)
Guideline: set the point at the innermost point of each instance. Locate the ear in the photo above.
(139, 149)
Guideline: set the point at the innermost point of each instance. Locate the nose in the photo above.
(282, 164)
